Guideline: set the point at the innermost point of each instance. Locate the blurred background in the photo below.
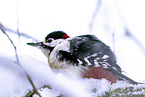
(118, 23)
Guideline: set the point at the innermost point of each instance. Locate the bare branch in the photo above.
(94, 15)
(124, 24)
(17, 12)
(21, 34)
(3, 30)
(113, 39)
(128, 33)
(18, 62)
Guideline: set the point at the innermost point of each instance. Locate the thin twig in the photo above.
(113, 39)
(17, 12)
(18, 62)
(124, 24)
(128, 33)
(94, 15)
(3, 30)
(21, 34)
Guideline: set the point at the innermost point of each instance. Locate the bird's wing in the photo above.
(90, 51)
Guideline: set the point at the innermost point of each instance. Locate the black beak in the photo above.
(40, 44)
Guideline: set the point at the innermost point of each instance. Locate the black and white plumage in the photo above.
(86, 52)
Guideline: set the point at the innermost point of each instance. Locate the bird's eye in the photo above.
(49, 40)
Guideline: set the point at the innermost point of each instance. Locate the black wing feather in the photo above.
(87, 45)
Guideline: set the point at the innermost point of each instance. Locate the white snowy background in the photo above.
(37, 18)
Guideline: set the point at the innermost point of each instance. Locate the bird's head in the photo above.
(50, 41)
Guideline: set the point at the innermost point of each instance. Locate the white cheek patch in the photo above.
(54, 58)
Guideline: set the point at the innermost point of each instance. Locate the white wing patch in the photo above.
(105, 57)
(96, 61)
(80, 62)
(87, 59)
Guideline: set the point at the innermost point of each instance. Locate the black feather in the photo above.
(86, 45)
(90, 47)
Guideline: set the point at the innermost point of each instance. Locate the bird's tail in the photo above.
(124, 77)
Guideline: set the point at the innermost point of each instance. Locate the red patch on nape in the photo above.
(99, 73)
(65, 36)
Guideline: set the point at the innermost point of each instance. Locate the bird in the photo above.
(85, 54)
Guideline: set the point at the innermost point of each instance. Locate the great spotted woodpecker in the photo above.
(86, 53)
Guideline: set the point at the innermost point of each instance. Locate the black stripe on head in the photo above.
(56, 35)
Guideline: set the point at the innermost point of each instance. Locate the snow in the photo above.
(38, 18)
